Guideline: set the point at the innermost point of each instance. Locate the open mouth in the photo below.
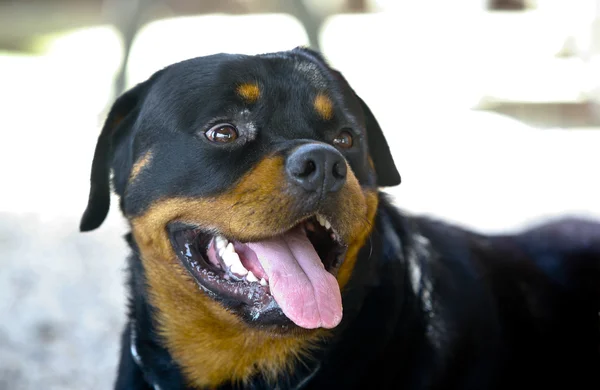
(288, 277)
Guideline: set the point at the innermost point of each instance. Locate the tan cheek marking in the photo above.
(323, 106)
(250, 92)
(140, 164)
(257, 207)
(360, 225)
(211, 344)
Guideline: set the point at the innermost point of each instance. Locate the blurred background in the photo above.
(490, 107)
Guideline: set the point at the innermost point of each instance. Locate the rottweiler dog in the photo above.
(265, 254)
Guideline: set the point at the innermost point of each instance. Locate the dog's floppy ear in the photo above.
(379, 150)
(120, 119)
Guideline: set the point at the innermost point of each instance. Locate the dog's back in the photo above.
(539, 289)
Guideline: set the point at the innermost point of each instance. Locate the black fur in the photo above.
(429, 305)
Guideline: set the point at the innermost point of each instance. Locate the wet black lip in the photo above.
(251, 301)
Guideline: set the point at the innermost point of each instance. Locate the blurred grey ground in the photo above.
(62, 297)
(62, 304)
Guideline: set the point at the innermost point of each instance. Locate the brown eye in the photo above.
(343, 140)
(222, 133)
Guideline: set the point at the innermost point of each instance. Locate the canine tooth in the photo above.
(251, 278)
(263, 282)
(327, 225)
(229, 248)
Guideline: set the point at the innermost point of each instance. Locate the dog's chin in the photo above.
(284, 282)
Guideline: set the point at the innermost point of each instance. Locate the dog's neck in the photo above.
(152, 366)
(149, 364)
(158, 376)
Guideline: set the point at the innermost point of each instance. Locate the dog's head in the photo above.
(250, 183)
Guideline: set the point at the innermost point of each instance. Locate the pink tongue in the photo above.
(307, 294)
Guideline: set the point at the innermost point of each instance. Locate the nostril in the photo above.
(308, 167)
(339, 170)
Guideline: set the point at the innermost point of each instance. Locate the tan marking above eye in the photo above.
(324, 106)
(140, 164)
(250, 92)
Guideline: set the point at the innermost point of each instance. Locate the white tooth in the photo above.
(229, 248)
(228, 257)
(321, 220)
(239, 270)
(220, 242)
(221, 252)
(236, 266)
(327, 225)
(251, 278)
(263, 282)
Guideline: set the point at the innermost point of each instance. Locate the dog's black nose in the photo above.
(318, 168)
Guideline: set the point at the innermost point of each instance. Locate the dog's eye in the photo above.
(343, 140)
(222, 133)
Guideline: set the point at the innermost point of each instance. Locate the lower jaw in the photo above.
(196, 340)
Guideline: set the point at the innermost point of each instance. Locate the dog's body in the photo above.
(264, 255)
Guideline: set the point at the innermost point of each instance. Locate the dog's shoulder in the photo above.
(496, 300)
